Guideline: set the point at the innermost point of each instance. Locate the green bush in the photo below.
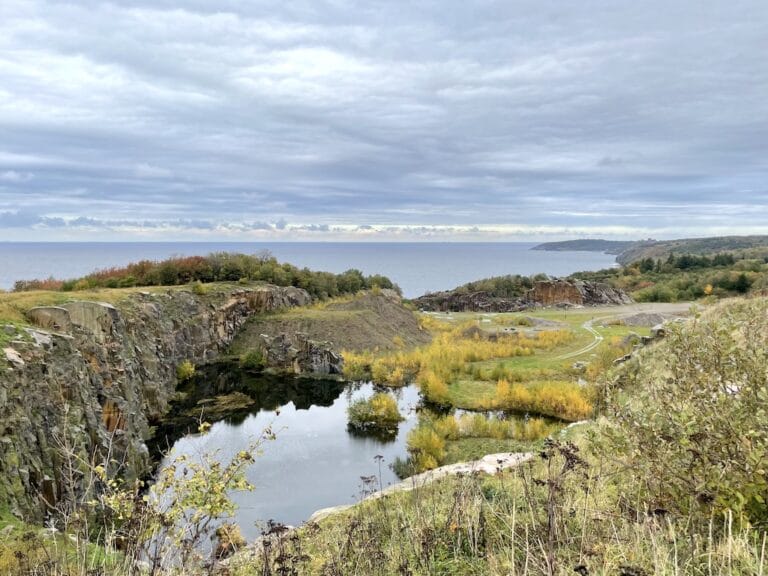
(377, 413)
(185, 371)
(426, 448)
(693, 430)
(199, 288)
(253, 360)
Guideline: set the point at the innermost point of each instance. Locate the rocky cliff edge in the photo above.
(90, 378)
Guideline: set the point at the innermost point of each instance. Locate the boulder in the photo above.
(658, 331)
(299, 355)
(14, 358)
(40, 338)
(50, 318)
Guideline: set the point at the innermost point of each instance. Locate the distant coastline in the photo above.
(627, 252)
(614, 247)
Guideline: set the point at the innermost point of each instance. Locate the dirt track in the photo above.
(611, 312)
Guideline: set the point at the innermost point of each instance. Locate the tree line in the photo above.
(216, 267)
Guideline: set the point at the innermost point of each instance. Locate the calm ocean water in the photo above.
(416, 267)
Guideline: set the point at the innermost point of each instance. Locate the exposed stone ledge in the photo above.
(544, 293)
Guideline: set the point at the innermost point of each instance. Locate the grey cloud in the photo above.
(84, 221)
(224, 116)
(311, 227)
(53, 222)
(260, 226)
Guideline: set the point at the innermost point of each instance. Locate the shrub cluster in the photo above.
(377, 413)
(253, 360)
(185, 371)
(509, 286)
(565, 400)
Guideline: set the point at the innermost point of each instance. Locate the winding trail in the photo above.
(625, 312)
(597, 339)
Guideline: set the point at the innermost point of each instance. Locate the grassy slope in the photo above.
(367, 321)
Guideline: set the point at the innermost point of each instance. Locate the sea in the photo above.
(417, 268)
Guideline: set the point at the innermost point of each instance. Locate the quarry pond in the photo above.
(314, 462)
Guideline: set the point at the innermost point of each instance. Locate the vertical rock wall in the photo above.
(91, 378)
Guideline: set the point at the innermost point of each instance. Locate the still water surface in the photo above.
(314, 462)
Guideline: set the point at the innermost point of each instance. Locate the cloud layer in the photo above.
(481, 120)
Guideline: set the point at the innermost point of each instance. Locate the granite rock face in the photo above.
(94, 377)
(544, 293)
(576, 292)
(452, 301)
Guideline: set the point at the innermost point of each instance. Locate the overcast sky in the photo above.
(451, 120)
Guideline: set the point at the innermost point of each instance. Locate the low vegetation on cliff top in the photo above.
(216, 267)
(509, 286)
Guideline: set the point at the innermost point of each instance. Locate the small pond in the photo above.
(314, 462)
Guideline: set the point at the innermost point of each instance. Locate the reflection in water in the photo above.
(313, 463)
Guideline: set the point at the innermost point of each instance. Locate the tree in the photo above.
(742, 284)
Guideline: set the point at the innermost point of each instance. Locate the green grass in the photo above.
(30, 545)
(622, 331)
(317, 313)
(472, 394)
(7, 519)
